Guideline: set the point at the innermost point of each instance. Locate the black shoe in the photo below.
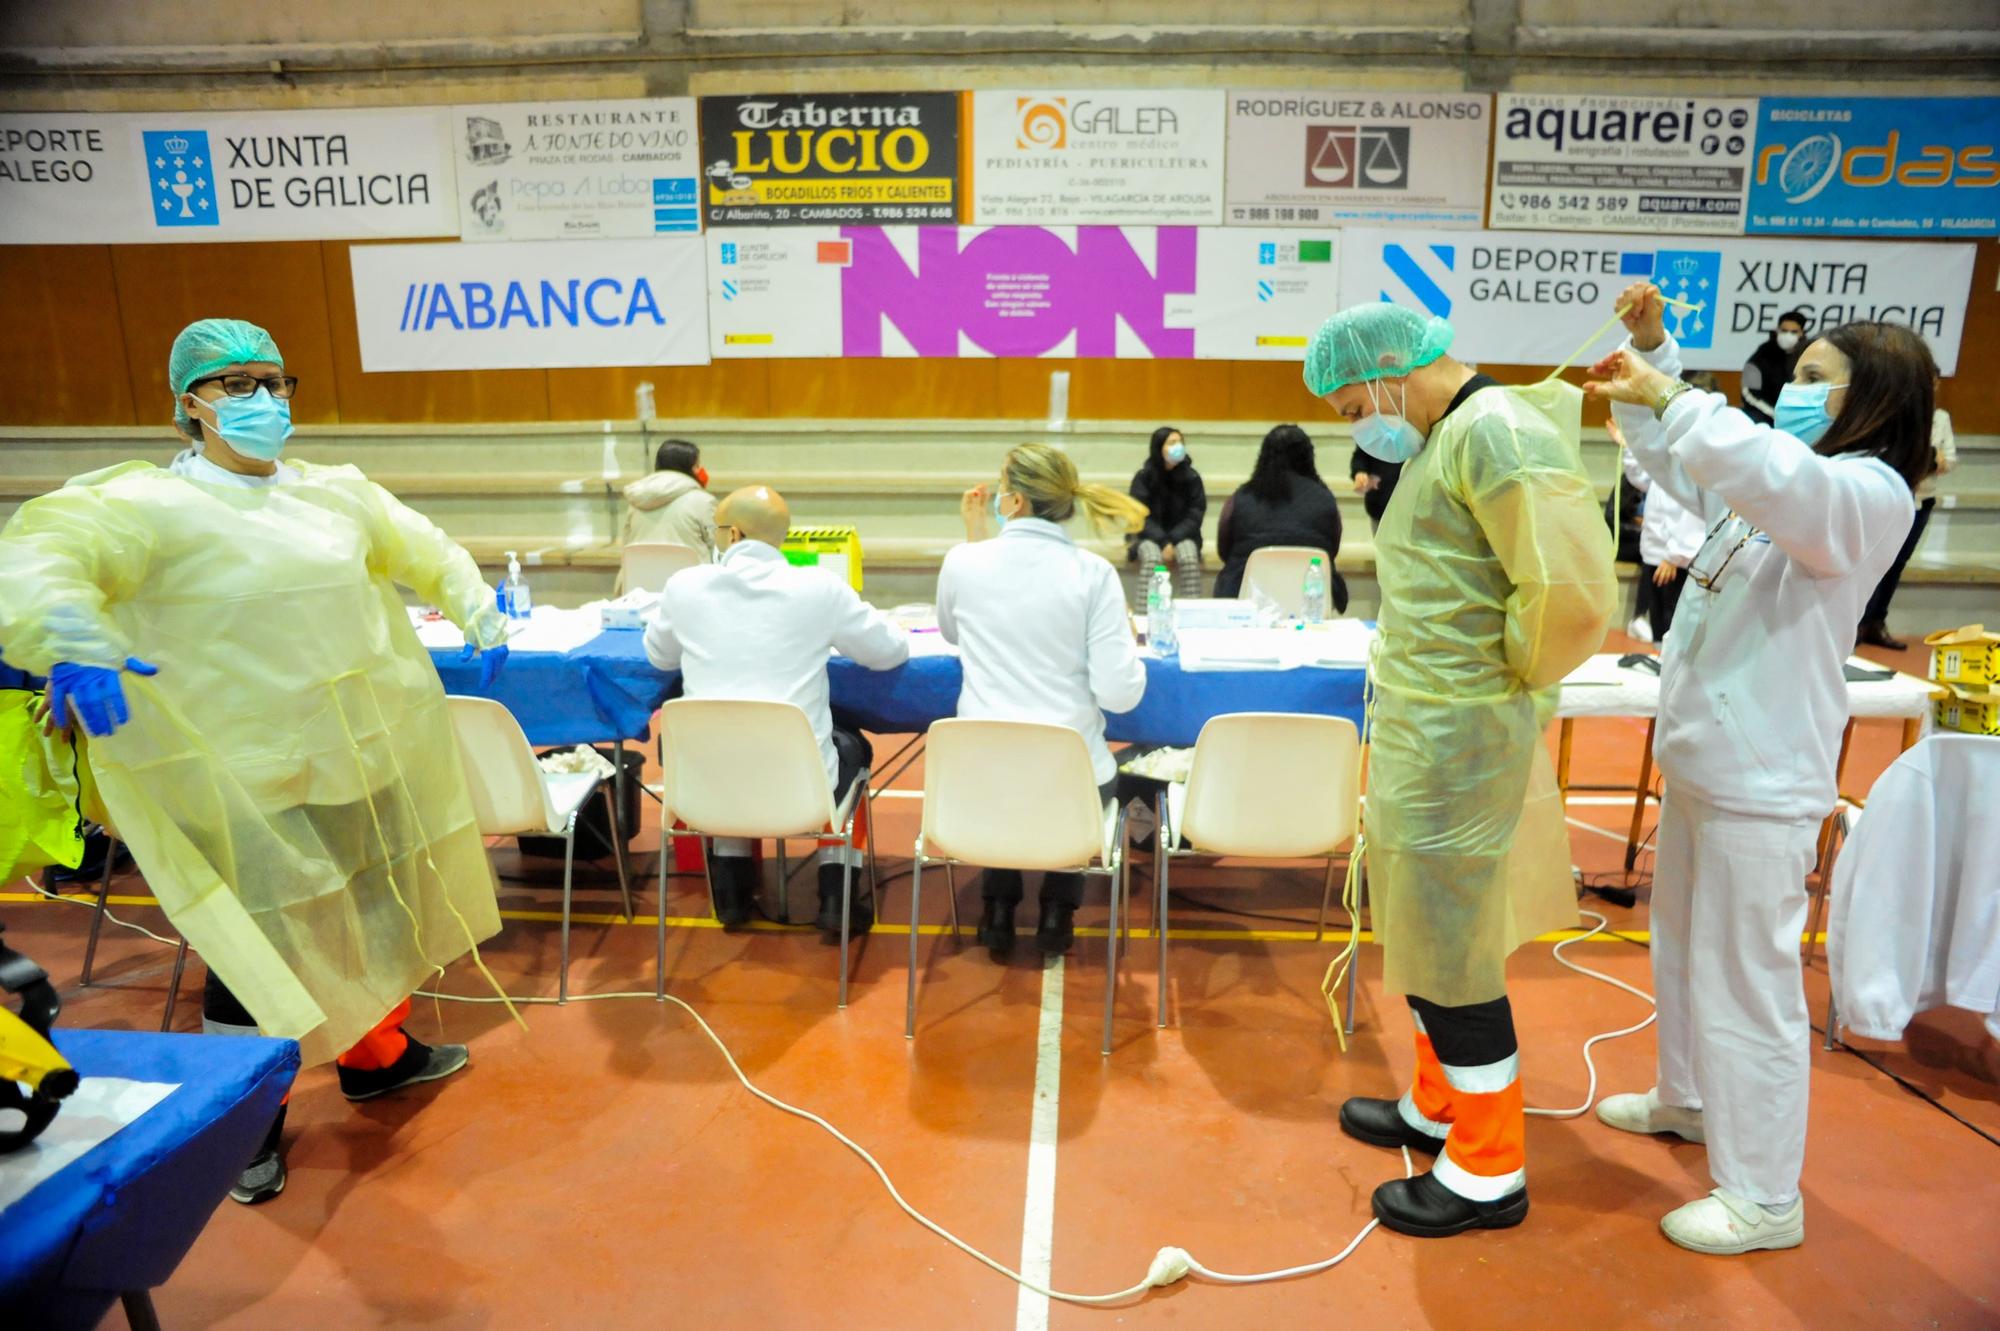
(261, 1180)
(1425, 1208)
(996, 929)
(1057, 929)
(1380, 1123)
(861, 914)
(1876, 634)
(419, 1063)
(734, 879)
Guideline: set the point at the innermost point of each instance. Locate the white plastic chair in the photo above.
(1265, 785)
(513, 796)
(1015, 795)
(649, 564)
(1279, 572)
(739, 768)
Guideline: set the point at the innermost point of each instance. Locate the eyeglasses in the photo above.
(280, 386)
(1707, 580)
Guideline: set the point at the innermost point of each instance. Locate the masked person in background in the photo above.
(1804, 520)
(266, 733)
(1496, 582)
(1175, 500)
(1770, 367)
(673, 504)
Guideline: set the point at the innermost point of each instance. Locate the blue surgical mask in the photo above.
(1387, 436)
(256, 426)
(1802, 412)
(1175, 452)
(999, 518)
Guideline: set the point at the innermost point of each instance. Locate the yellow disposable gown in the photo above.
(288, 783)
(1496, 578)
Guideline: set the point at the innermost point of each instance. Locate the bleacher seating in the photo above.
(543, 489)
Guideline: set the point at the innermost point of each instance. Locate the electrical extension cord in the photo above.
(91, 904)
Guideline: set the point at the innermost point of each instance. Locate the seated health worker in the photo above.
(753, 626)
(1041, 628)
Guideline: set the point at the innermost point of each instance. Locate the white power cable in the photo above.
(1590, 1096)
(92, 905)
(1169, 1264)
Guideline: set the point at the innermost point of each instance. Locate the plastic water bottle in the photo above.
(1314, 609)
(515, 598)
(1160, 612)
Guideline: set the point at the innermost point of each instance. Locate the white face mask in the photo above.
(1788, 341)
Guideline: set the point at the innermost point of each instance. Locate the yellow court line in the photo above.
(766, 926)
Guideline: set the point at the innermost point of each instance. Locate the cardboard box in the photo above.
(1966, 656)
(837, 550)
(1977, 714)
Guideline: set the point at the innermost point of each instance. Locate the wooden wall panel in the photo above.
(730, 388)
(277, 285)
(887, 388)
(1272, 392)
(435, 397)
(62, 351)
(1119, 389)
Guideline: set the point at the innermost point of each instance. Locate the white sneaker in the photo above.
(1640, 629)
(1645, 1113)
(1724, 1224)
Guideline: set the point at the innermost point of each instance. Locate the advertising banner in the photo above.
(1332, 158)
(1116, 292)
(531, 305)
(817, 159)
(1590, 162)
(1526, 298)
(1129, 156)
(1897, 166)
(577, 170)
(196, 176)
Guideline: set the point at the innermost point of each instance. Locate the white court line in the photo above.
(1038, 1214)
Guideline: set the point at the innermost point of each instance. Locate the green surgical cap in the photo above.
(1375, 341)
(207, 345)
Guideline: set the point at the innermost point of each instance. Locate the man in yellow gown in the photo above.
(266, 733)
(1496, 579)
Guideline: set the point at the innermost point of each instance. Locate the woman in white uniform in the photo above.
(1804, 518)
(1041, 627)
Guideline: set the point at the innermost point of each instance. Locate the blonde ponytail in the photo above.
(1047, 479)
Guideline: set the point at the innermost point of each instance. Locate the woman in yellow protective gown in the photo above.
(1495, 570)
(288, 779)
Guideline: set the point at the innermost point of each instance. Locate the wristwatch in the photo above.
(1667, 396)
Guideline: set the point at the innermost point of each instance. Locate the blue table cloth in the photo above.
(123, 1215)
(606, 690)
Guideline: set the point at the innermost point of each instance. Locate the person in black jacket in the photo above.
(1171, 489)
(1770, 367)
(1283, 503)
(1374, 481)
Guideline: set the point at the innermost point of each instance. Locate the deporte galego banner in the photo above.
(531, 305)
(201, 176)
(1524, 298)
(1114, 292)
(809, 159)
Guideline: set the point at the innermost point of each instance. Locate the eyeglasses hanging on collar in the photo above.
(1707, 577)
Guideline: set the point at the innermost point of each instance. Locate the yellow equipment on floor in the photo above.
(26, 1056)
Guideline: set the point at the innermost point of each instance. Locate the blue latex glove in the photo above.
(491, 661)
(93, 693)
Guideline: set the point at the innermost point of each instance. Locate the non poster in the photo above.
(1528, 298)
(1125, 156)
(1599, 162)
(1897, 166)
(818, 159)
(1023, 292)
(577, 170)
(197, 176)
(531, 305)
(1305, 158)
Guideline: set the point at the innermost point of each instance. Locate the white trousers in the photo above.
(1729, 902)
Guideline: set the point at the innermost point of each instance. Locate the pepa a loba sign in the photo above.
(818, 158)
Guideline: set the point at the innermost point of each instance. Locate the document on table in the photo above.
(1602, 669)
(547, 630)
(1340, 645)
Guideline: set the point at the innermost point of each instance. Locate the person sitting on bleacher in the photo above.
(673, 504)
(1041, 627)
(753, 626)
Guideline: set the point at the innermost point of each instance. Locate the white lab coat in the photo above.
(1752, 706)
(1042, 630)
(1671, 532)
(753, 626)
(1752, 697)
(1916, 895)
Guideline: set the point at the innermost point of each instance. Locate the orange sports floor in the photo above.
(604, 1169)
